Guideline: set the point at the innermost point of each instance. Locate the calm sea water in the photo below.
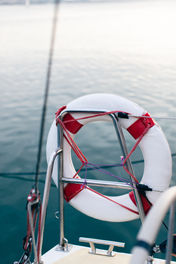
(126, 48)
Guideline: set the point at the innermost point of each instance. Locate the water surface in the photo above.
(125, 48)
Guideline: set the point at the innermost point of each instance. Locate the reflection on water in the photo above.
(126, 48)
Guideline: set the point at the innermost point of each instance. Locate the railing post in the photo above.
(63, 244)
(119, 132)
(46, 194)
(170, 233)
(121, 138)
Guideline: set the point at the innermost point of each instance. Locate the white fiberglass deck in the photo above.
(79, 255)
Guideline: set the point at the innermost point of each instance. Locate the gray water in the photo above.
(126, 48)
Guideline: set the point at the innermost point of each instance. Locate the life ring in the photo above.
(154, 147)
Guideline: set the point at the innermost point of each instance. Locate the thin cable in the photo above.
(17, 175)
(97, 167)
(117, 111)
(153, 116)
(47, 86)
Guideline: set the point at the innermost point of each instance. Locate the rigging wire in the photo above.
(47, 86)
(20, 175)
(156, 117)
(34, 207)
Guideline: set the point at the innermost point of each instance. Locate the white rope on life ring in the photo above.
(154, 147)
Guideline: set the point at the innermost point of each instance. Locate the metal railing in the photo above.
(61, 180)
(149, 230)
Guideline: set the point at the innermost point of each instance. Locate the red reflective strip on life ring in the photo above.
(146, 204)
(138, 127)
(71, 190)
(71, 123)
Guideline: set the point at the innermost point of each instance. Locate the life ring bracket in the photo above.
(72, 190)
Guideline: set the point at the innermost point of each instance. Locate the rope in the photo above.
(18, 175)
(81, 156)
(156, 117)
(129, 115)
(93, 116)
(97, 167)
(132, 150)
(47, 86)
(84, 161)
(78, 151)
(111, 200)
(72, 143)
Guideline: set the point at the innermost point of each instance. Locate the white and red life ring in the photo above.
(154, 147)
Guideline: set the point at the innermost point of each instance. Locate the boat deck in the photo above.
(79, 255)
